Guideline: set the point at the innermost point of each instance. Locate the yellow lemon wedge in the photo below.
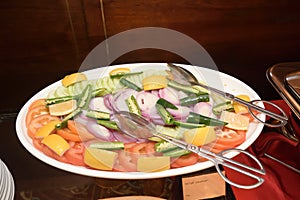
(154, 82)
(238, 108)
(73, 78)
(99, 158)
(119, 71)
(63, 108)
(47, 129)
(200, 136)
(153, 164)
(235, 121)
(56, 143)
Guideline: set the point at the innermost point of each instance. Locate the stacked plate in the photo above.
(7, 186)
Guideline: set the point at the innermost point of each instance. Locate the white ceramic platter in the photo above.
(211, 77)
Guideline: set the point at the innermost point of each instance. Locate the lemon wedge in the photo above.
(154, 82)
(153, 164)
(235, 121)
(73, 78)
(47, 129)
(56, 143)
(200, 136)
(238, 108)
(119, 71)
(99, 158)
(63, 108)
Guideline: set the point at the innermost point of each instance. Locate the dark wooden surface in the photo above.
(42, 41)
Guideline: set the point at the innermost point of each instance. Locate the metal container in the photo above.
(285, 78)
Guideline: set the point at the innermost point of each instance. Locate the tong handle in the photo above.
(219, 159)
(250, 105)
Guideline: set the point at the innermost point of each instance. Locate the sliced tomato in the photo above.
(75, 154)
(227, 138)
(231, 137)
(47, 151)
(143, 148)
(38, 102)
(38, 122)
(35, 112)
(72, 126)
(127, 159)
(125, 162)
(186, 160)
(80, 130)
(67, 134)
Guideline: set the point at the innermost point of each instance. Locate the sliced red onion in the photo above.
(182, 94)
(151, 113)
(82, 119)
(146, 100)
(155, 92)
(99, 131)
(158, 121)
(170, 95)
(119, 100)
(203, 108)
(123, 137)
(98, 104)
(108, 99)
(181, 113)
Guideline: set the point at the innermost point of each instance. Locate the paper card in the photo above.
(203, 186)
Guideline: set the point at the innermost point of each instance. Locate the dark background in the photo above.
(44, 40)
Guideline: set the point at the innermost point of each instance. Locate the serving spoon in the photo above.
(140, 128)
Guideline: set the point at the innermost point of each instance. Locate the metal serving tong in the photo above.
(138, 127)
(187, 75)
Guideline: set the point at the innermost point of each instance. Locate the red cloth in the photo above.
(280, 182)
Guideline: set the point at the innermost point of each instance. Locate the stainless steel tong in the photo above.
(187, 75)
(138, 127)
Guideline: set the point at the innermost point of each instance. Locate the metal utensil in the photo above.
(286, 130)
(185, 74)
(282, 163)
(138, 127)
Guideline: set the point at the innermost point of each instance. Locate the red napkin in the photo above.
(280, 182)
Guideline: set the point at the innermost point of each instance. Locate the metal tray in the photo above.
(285, 78)
(292, 81)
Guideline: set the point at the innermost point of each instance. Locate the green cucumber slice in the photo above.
(108, 145)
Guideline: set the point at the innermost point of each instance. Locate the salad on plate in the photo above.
(74, 122)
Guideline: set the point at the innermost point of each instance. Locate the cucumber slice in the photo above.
(108, 145)
(164, 146)
(51, 94)
(217, 109)
(188, 125)
(98, 114)
(176, 152)
(71, 90)
(61, 91)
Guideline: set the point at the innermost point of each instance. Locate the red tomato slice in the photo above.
(186, 160)
(48, 152)
(75, 154)
(38, 102)
(143, 148)
(231, 137)
(38, 122)
(35, 112)
(127, 159)
(125, 162)
(67, 134)
(226, 139)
